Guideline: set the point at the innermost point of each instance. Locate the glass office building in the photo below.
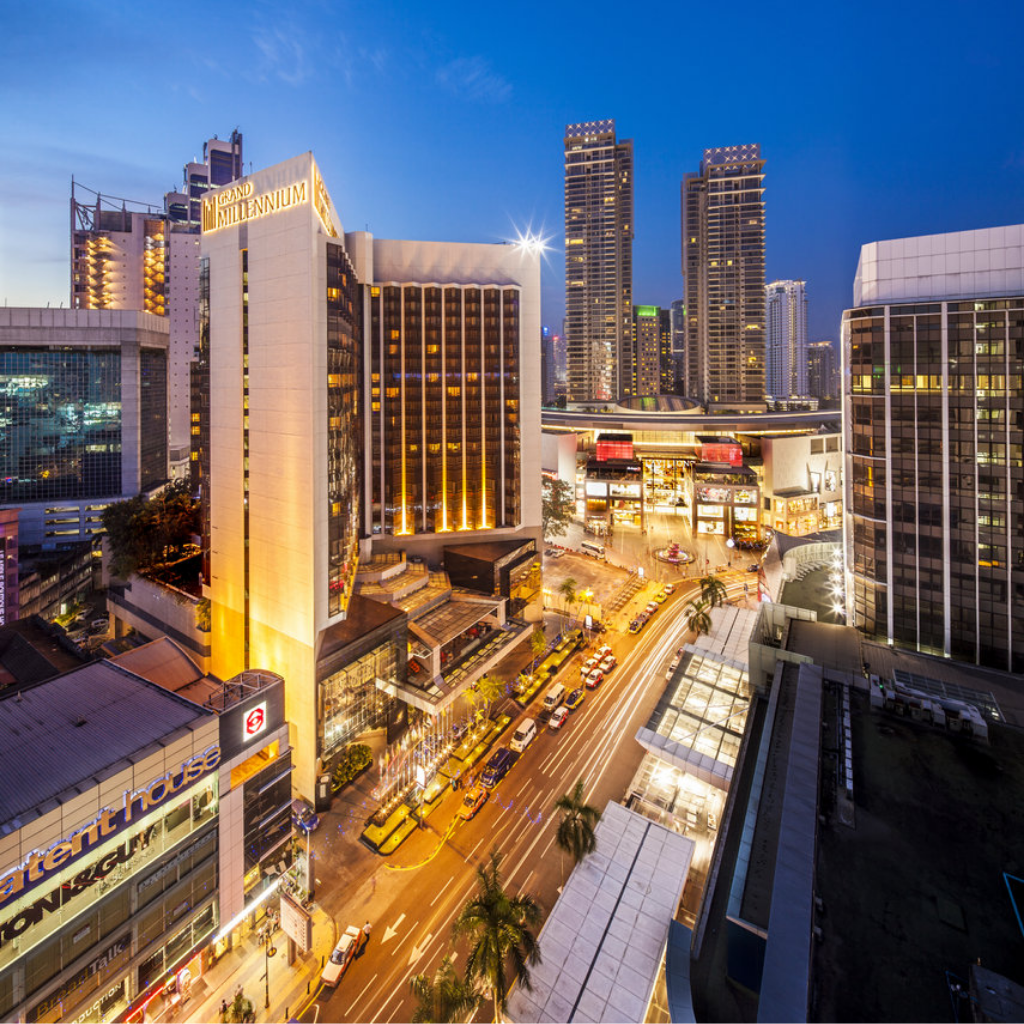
(934, 421)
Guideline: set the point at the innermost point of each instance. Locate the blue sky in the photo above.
(445, 121)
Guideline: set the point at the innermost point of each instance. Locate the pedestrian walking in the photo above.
(223, 1011)
(366, 934)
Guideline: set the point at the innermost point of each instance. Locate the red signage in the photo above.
(614, 450)
(719, 452)
(256, 720)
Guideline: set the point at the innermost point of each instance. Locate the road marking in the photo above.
(442, 889)
(392, 930)
(471, 852)
(418, 951)
(361, 994)
(526, 883)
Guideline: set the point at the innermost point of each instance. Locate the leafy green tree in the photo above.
(203, 620)
(713, 591)
(698, 616)
(538, 645)
(146, 532)
(499, 926)
(576, 829)
(568, 592)
(444, 998)
(558, 506)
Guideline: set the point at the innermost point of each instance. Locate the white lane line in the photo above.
(525, 884)
(471, 852)
(442, 889)
(360, 996)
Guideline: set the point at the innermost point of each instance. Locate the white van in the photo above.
(523, 736)
(554, 697)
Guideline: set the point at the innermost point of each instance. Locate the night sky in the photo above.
(445, 121)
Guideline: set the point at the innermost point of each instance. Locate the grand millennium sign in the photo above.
(240, 203)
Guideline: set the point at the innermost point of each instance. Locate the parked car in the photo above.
(636, 625)
(669, 588)
(754, 567)
(595, 679)
(342, 956)
(575, 699)
(304, 818)
(651, 608)
(558, 718)
(589, 665)
(608, 664)
(604, 650)
(497, 767)
(474, 799)
(660, 597)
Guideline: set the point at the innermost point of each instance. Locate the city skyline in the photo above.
(480, 117)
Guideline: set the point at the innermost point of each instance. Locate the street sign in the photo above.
(296, 924)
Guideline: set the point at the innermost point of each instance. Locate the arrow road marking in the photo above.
(418, 951)
(392, 930)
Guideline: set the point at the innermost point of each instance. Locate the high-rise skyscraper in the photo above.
(822, 371)
(134, 256)
(666, 364)
(598, 260)
(678, 326)
(786, 343)
(723, 267)
(933, 364)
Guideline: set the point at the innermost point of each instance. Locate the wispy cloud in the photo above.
(284, 54)
(474, 79)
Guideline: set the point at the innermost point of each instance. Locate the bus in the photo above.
(589, 548)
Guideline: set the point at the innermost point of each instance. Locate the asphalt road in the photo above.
(430, 877)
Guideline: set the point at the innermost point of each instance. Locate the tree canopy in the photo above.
(557, 507)
(147, 532)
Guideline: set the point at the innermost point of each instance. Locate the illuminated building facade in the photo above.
(598, 260)
(132, 256)
(362, 397)
(933, 404)
(786, 344)
(723, 267)
(105, 886)
(84, 399)
(644, 376)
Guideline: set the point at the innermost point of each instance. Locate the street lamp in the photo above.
(268, 951)
(730, 544)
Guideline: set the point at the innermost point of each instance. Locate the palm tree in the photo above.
(538, 645)
(698, 617)
(576, 829)
(491, 689)
(445, 998)
(568, 592)
(712, 591)
(499, 926)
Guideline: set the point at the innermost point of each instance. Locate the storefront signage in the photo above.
(596, 490)
(255, 721)
(744, 515)
(713, 511)
(745, 497)
(238, 204)
(135, 804)
(101, 1009)
(713, 493)
(624, 490)
(104, 960)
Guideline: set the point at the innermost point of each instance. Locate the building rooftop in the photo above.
(364, 615)
(603, 941)
(917, 886)
(31, 650)
(62, 736)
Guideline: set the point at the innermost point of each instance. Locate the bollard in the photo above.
(307, 988)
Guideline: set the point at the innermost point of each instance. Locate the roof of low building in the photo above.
(602, 944)
(63, 736)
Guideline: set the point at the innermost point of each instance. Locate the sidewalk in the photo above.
(244, 966)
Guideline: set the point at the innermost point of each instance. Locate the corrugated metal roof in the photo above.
(59, 737)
